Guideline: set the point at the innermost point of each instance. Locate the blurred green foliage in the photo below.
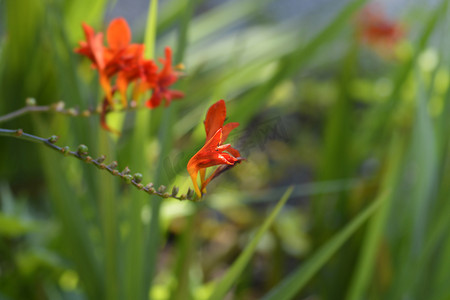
(363, 138)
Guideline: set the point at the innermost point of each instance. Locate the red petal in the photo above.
(155, 100)
(174, 94)
(119, 34)
(95, 44)
(215, 117)
(167, 63)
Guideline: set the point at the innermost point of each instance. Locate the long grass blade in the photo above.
(223, 286)
(293, 284)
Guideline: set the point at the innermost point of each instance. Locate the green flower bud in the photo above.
(30, 102)
(53, 139)
(162, 189)
(128, 178)
(58, 106)
(150, 190)
(72, 112)
(66, 150)
(126, 171)
(137, 177)
(113, 165)
(82, 149)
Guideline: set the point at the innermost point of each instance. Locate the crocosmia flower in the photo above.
(122, 63)
(214, 152)
(377, 31)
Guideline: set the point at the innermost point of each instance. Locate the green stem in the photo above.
(19, 134)
(23, 111)
(58, 107)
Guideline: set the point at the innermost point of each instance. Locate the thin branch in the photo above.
(59, 107)
(81, 154)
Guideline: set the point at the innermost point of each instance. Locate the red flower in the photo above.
(125, 62)
(164, 80)
(214, 152)
(375, 29)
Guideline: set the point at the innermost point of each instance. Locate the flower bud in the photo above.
(162, 189)
(166, 195)
(128, 178)
(72, 112)
(113, 165)
(66, 150)
(149, 188)
(53, 139)
(126, 171)
(190, 193)
(30, 102)
(58, 106)
(175, 191)
(101, 158)
(86, 113)
(82, 149)
(182, 197)
(137, 177)
(19, 132)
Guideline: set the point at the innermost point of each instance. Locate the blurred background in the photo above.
(346, 101)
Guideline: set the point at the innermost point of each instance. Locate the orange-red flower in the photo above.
(125, 62)
(214, 152)
(376, 30)
(164, 80)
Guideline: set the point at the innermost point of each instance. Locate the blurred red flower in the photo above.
(376, 30)
(214, 152)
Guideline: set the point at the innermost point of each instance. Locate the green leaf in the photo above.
(238, 266)
(292, 284)
(376, 226)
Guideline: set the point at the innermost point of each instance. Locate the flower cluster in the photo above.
(124, 61)
(214, 152)
(377, 31)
